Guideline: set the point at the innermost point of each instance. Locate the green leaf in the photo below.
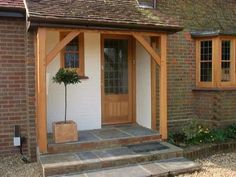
(66, 76)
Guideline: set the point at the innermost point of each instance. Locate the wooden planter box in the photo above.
(65, 132)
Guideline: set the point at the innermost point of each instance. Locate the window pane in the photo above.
(71, 55)
(206, 61)
(71, 60)
(225, 61)
(225, 50)
(206, 71)
(225, 71)
(116, 66)
(206, 50)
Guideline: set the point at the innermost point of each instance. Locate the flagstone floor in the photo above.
(112, 132)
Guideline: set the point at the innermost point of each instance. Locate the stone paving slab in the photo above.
(137, 130)
(156, 168)
(112, 132)
(147, 147)
(87, 136)
(178, 165)
(87, 156)
(59, 158)
(114, 153)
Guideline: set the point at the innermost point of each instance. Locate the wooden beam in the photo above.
(41, 91)
(216, 62)
(148, 47)
(134, 78)
(53, 53)
(163, 88)
(153, 86)
(103, 31)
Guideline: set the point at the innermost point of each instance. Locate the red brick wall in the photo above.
(181, 78)
(184, 102)
(217, 107)
(16, 87)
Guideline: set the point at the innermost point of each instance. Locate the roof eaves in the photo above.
(15, 12)
(12, 9)
(212, 33)
(40, 20)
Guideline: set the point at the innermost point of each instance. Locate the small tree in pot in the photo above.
(65, 131)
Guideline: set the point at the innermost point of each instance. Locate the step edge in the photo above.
(101, 141)
(164, 173)
(157, 152)
(99, 165)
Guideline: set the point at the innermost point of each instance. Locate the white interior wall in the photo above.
(143, 87)
(84, 99)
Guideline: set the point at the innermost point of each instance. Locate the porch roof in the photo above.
(100, 13)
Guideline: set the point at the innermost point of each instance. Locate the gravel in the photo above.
(15, 167)
(219, 165)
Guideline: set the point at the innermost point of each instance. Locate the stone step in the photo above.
(106, 138)
(170, 167)
(79, 162)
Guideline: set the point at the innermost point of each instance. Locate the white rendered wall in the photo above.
(84, 99)
(143, 87)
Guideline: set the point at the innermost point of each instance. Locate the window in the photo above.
(216, 62)
(72, 56)
(225, 61)
(116, 66)
(206, 61)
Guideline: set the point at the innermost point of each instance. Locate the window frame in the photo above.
(231, 82)
(198, 64)
(81, 68)
(216, 63)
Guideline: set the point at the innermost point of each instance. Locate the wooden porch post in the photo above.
(154, 41)
(41, 121)
(163, 88)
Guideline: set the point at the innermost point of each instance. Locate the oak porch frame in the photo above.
(44, 59)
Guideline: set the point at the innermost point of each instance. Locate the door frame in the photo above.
(132, 85)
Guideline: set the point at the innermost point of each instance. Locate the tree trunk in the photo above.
(65, 102)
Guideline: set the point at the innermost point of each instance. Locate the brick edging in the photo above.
(208, 149)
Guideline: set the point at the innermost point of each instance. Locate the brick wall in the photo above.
(16, 87)
(181, 78)
(218, 108)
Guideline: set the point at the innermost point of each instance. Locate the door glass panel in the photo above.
(116, 66)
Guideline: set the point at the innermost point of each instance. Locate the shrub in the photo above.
(198, 133)
(177, 138)
(231, 131)
(218, 135)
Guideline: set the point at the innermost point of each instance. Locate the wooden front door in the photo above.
(116, 80)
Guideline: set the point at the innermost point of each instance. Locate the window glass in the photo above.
(225, 61)
(116, 66)
(206, 61)
(71, 54)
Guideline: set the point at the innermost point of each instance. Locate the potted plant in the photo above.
(65, 131)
